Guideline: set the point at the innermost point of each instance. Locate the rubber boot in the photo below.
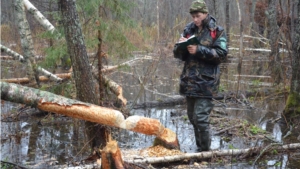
(205, 141)
(197, 138)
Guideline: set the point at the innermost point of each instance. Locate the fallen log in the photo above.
(113, 86)
(25, 80)
(116, 89)
(73, 108)
(210, 154)
(12, 53)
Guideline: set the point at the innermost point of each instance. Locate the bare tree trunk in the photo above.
(157, 19)
(292, 108)
(99, 53)
(26, 43)
(85, 86)
(215, 8)
(58, 104)
(252, 18)
(273, 32)
(239, 67)
(227, 20)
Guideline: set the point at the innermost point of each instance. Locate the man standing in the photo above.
(200, 77)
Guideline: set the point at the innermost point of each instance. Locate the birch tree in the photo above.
(41, 70)
(38, 16)
(26, 42)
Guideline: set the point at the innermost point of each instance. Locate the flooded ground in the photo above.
(49, 140)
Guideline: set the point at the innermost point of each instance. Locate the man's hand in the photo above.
(192, 49)
(182, 39)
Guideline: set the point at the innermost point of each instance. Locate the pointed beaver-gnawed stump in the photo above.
(164, 136)
(111, 156)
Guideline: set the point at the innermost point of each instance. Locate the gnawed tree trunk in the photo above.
(292, 108)
(210, 154)
(38, 16)
(111, 156)
(116, 89)
(58, 104)
(48, 74)
(26, 43)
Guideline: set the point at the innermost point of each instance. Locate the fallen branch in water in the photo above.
(210, 154)
(13, 164)
(222, 131)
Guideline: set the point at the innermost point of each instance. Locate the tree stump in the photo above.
(111, 156)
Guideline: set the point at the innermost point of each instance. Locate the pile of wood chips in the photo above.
(160, 151)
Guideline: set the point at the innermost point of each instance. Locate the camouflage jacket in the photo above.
(201, 73)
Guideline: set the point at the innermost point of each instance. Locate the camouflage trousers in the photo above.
(198, 110)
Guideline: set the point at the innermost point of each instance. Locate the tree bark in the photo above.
(26, 43)
(293, 102)
(252, 17)
(38, 16)
(111, 156)
(85, 86)
(12, 53)
(58, 104)
(273, 32)
(239, 67)
(116, 89)
(157, 20)
(227, 21)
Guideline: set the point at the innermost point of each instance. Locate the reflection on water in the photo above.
(43, 141)
(39, 142)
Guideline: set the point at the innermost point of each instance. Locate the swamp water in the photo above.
(42, 142)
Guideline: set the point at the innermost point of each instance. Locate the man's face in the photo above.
(198, 18)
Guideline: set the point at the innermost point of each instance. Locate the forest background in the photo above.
(115, 31)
